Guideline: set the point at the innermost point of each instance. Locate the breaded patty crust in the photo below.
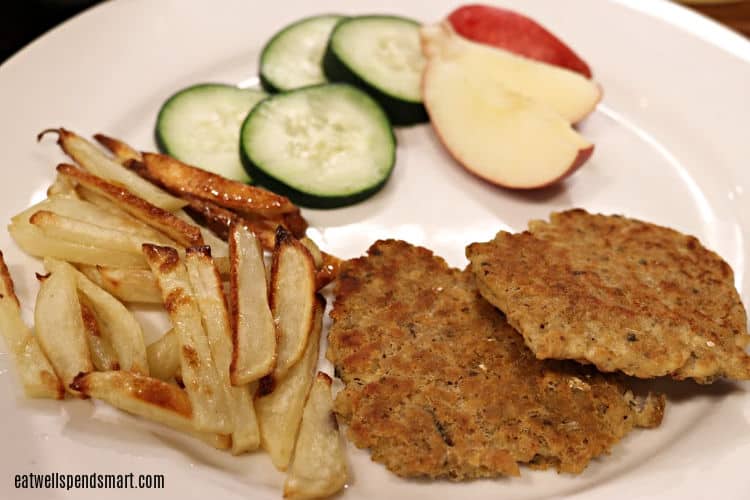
(619, 293)
(438, 385)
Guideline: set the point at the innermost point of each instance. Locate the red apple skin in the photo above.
(516, 33)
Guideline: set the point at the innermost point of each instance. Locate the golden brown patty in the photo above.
(619, 293)
(438, 385)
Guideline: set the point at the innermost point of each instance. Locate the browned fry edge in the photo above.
(218, 219)
(212, 187)
(204, 253)
(10, 288)
(149, 390)
(325, 378)
(90, 323)
(267, 384)
(233, 298)
(42, 217)
(285, 239)
(184, 233)
(120, 149)
(166, 258)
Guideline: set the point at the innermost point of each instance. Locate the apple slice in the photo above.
(568, 93)
(517, 33)
(496, 133)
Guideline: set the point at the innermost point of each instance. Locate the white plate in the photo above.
(671, 147)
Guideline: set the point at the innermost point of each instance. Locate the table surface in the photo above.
(21, 22)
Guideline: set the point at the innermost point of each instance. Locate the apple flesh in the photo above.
(516, 33)
(568, 93)
(498, 134)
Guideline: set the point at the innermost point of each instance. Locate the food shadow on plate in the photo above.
(134, 435)
(678, 391)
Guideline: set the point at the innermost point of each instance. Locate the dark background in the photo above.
(23, 20)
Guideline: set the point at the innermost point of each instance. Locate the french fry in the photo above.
(118, 325)
(73, 230)
(197, 367)
(62, 186)
(164, 356)
(216, 218)
(180, 231)
(329, 270)
(208, 290)
(180, 179)
(84, 211)
(295, 223)
(111, 217)
(127, 285)
(35, 371)
(318, 468)
(95, 161)
(34, 242)
(121, 151)
(218, 246)
(292, 299)
(220, 220)
(280, 412)
(315, 252)
(59, 326)
(149, 398)
(102, 354)
(264, 230)
(253, 331)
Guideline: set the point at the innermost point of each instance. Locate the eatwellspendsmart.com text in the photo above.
(94, 480)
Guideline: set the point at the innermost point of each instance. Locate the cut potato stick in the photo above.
(197, 367)
(95, 161)
(292, 299)
(117, 324)
(59, 326)
(149, 398)
(102, 354)
(34, 242)
(127, 285)
(280, 412)
(180, 178)
(73, 230)
(216, 218)
(111, 217)
(220, 220)
(135, 285)
(164, 356)
(329, 270)
(219, 247)
(209, 292)
(34, 369)
(295, 223)
(315, 253)
(319, 465)
(88, 212)
(180, 231)
(121, 151)
(264, 231)
(62, 186)
(253, 330)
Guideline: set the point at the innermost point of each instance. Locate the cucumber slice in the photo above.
(382, 55)
(292, 58)
(200, 125)
(323, 146)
